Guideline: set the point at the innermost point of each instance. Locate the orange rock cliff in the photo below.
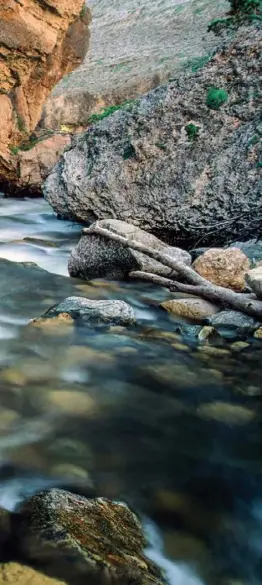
(40, 41)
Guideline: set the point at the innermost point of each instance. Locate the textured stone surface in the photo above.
(96, 539)
(39, 43)
(139, 164)
(223, 267)
(14, 573)
(135, 46)
(35, 164)
(98, 257)
(94, 312)
(254, 280)
(227, 322)
(192, 308)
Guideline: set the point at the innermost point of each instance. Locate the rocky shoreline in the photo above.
(177, 168)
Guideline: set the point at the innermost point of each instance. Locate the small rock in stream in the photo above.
(195, 308)
(93, 312)
(86, 538)
(233, 324)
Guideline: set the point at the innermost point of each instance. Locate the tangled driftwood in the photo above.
(193, 282)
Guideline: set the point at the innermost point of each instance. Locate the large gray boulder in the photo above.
(98, 257)
(182, 162)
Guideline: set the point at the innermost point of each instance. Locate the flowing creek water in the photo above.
(144, 414)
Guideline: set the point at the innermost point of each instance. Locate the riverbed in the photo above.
(143, 414)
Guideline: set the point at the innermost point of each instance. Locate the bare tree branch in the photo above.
(197, 285)
(247, 303)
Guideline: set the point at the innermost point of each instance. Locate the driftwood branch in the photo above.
(196, 284)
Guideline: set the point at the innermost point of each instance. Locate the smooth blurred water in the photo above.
(141, 414)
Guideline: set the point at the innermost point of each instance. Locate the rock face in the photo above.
(98, 540)
(39, 43)
(94, 312)
(97, 257)
(223, 267)
(195, 309)
(135, 46)
(35, 164)
(254, 280)
(182, 162)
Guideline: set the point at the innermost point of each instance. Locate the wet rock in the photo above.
(258, 333)
(96, 257)
(8, 419)
(89, 539)
(60, 324)
(254, 280)
(239, 345)
(71, 403)
(70, 451)
(223, 267)
(226, 413)
(94, 312)
(69, 470)
(233, 324)
(11, 573)
(208, 333)
(192, 308)
(213, 351)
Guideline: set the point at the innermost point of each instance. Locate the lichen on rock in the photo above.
(90, 538)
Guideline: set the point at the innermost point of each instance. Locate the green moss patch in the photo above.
(216, 97)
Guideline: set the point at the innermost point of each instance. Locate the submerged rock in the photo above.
(192, 308)
(94, 539)
(178, 162)
(97, 257)
(93, 312)
(233, 324)
(223, 267)
(254, 280)
(231, 414)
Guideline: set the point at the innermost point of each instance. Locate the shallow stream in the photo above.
(144, 413)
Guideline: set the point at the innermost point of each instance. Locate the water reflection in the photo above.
(138, 413)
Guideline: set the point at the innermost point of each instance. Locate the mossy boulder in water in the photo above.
(79, 538)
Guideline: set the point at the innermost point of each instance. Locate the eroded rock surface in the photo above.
(39, 43)
(135, 46)
(94, 539)
(223, 267)
(181, 162)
